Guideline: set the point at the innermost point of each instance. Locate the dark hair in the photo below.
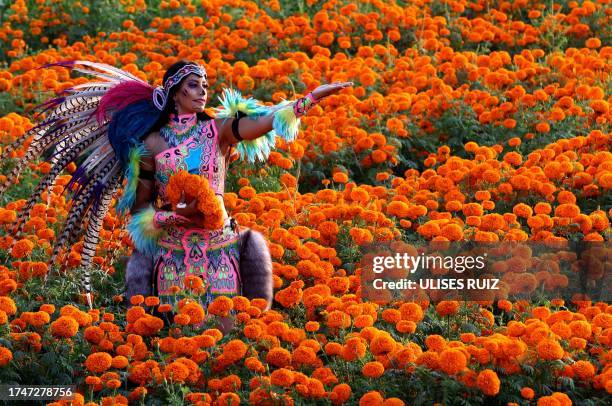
(169, 108)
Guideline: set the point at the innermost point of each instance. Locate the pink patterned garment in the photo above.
(212, 255)
(197, 154)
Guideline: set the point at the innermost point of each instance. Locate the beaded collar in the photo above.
(183, 122)
(179, 128)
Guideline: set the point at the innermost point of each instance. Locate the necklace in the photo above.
(179, 128)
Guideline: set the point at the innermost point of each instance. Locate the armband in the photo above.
(235, 123)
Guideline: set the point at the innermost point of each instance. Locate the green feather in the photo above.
(132, 174)
(285, 123)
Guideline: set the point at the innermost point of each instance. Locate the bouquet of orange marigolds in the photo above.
(187, 186)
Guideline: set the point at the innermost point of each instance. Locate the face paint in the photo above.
(192, 95)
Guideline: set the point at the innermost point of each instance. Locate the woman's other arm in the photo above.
(145, 193)
(251, 128)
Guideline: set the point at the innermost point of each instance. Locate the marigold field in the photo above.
(468, 120)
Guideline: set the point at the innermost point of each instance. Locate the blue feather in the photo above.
(129, 125)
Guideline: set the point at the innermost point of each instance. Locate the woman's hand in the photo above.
(329, 89)
(189, 210)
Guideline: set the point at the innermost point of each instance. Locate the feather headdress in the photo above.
(96, 123)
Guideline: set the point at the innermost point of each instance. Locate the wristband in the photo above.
(303, 104)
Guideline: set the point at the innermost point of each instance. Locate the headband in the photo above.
(160, 94)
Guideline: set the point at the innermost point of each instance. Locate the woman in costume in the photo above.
(191, 141)
(122, 128)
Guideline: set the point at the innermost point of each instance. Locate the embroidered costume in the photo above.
(212, 255)
(102, 124)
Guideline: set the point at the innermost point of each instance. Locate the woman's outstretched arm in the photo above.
(250, 128)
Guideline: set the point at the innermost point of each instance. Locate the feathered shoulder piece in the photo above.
(285, 124)
(97, 124)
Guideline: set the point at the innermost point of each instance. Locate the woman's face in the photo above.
(191, 95)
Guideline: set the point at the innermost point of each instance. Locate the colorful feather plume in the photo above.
(132, 173)
(90, 123)
(143, 231)
(285, 124)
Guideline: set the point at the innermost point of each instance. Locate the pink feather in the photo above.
(119, 96)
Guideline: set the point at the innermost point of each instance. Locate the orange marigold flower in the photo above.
(338, 319)
(221, 306)
(522, 210)
(584, 370)
(290, 296)
(542, 127)
(383, 343)
(340, 177)
(151, 301)
(235, 350)
(304, 355)
(372, 398)
(22, 249)
(567, 210)
(64, 326)
(514, 142)
(120, 362)
(312, 326)
(581, 329)
(452, 361)
(176, 372)
(549, 350)
(137, 300)
(430, 359)
(113, 384)
(278, 357)
(373, 369)
(282, 377)
(340, 394)
(164, 308)
(252, 331)
(7, 305)
(182, 319)
(353, 349)
(527, 393)
(488, 382)
(447, 307)
(593, 42)
(195, 312)
(513, 158)
(556, 399)
(254, 364)
(435, 342)
(228, 398)
(411, 312)
(7, 286)
(94, 334)
(5, 356)
(98, 362)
